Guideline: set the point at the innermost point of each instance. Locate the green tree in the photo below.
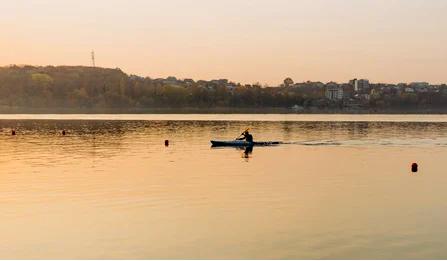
(288, 82)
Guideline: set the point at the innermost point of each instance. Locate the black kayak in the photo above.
(242, 143)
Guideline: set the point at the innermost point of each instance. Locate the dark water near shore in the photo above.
(340, 187)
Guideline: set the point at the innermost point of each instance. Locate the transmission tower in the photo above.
(93, 58)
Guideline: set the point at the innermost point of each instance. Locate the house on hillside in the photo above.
(334, 92)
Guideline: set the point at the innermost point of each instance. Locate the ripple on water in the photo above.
(333, 190)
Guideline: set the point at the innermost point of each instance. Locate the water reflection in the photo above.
(247, 152)
(67, 197)
(114, 133)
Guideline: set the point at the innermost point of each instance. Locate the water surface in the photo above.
(340, 187)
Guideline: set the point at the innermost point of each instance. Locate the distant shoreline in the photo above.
(95, 90)
(217, 110)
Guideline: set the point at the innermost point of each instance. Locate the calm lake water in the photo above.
(339, 187)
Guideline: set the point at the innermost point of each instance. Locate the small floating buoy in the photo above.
(414, 167)
(13, 132)
(166, 143)
(63, 132)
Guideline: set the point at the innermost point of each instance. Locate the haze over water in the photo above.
(340, 187)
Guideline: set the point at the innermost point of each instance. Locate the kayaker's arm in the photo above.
(243, 137)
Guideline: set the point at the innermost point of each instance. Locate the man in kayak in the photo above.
(246, 136)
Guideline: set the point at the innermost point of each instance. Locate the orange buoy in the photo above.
(414, 167)
(166, 143)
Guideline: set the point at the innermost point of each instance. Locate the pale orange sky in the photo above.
(245, 41)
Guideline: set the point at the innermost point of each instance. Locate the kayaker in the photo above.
(246, 136)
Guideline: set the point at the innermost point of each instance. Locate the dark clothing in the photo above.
(247, 137)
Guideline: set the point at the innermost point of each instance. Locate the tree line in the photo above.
(92, 87)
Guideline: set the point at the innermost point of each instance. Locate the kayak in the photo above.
(242, 143)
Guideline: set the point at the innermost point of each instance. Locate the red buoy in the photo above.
(166, 143)
(13, 132)
(414, 167)
(63, 132)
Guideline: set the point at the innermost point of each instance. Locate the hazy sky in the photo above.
(246, 41)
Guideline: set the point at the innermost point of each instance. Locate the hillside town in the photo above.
(356, 94)
(361, 93)
(80, 87)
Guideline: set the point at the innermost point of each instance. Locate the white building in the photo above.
(420, 86)
(360, 85)
(297, 108)
(409, 89)
(334, 92)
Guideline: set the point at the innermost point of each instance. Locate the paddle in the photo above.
(242, 133)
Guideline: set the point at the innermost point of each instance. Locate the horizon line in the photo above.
(196, 79)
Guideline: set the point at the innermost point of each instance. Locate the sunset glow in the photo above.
(245, 41)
